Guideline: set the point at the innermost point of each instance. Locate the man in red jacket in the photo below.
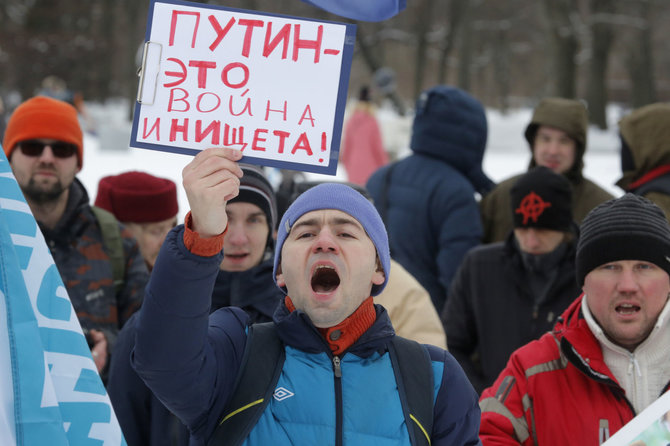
(608, 357)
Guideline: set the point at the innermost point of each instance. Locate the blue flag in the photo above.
(364, 10)
(50, 391)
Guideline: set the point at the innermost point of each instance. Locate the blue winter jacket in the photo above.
(428, 199)
(190, 361)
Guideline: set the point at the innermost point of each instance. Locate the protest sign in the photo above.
(651, 427)
(271, 86)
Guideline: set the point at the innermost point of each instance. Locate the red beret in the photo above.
(138, 197)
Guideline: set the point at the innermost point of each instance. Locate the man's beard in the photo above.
(38, 194)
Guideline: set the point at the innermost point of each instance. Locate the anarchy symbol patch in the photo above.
(531, 207)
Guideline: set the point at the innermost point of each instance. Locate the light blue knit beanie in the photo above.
(342, 198)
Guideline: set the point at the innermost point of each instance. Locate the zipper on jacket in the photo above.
(336, 367)
(337, 371)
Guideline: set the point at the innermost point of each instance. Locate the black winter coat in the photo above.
(491, 312)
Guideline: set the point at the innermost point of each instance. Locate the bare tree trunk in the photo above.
(602, 37)
(374, 64)
(422, 26)
(455, 12)
(562, 38)
(640, 61)
(501, 59)
(465, 48)
(108, 32)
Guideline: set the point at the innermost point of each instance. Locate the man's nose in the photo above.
(236, 234)
(532, 240)
(553, 146)
(627, 281)
(325, 242)
(47, 154)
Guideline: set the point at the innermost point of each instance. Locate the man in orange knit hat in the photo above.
(44, 145)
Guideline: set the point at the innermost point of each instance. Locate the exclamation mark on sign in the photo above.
(323, 144)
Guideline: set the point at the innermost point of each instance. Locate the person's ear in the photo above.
(379, 276)
(280, 277)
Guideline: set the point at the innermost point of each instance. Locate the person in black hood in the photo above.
(245, 280)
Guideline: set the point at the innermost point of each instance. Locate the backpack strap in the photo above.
(254, 385)
(414, 375)
(111, 238)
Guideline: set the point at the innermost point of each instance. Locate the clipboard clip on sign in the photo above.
(148, 71)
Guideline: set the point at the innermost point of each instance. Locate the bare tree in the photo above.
(466, 47)
(455, 9)
(601, 44)
(640, 61)
(422, 25)
(561, 17)
(374, 64)
(501, 58)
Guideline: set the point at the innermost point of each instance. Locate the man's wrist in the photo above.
(202, 246)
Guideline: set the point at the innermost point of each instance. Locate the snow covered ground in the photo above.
(106, 150)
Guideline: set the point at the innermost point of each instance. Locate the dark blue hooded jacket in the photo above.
(428, 199)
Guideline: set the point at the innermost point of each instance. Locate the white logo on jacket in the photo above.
(282, 393)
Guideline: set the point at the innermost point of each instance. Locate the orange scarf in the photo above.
(344, 334)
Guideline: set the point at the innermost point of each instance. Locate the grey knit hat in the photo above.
(626, 228)
(343, 198)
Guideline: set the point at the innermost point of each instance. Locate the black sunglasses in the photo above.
(59, 149)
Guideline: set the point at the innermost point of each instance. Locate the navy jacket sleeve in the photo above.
(459, 223)
(189, 360)
(456, 413)
(130, 397)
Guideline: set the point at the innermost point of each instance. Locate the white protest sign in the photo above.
(272, 86)
(649, 428)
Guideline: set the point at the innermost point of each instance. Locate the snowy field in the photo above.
(106, 150)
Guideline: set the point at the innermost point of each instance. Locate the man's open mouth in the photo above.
(325, 279)
(626, 309)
